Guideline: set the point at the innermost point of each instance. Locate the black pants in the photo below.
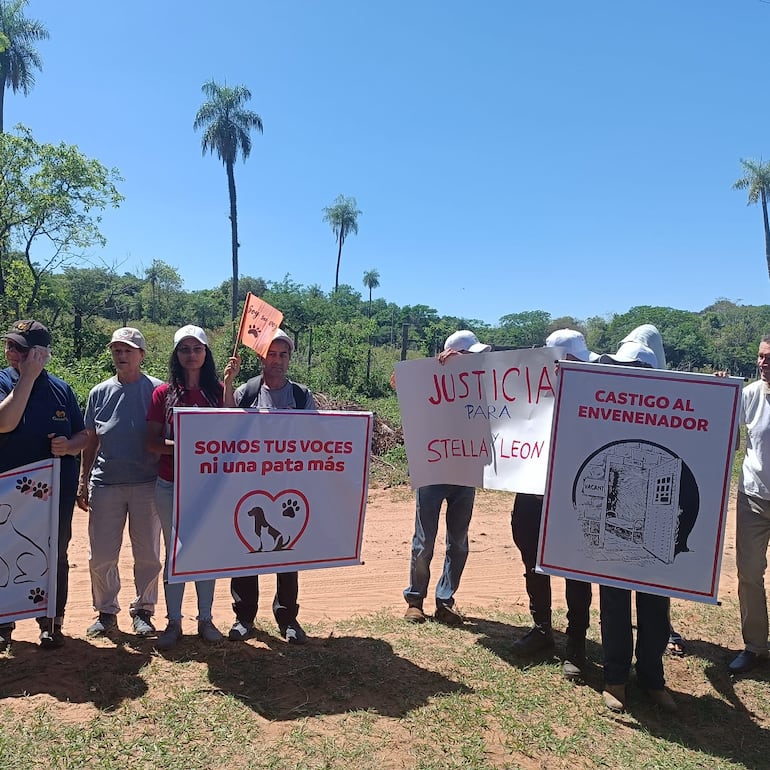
(245, 593)
(525, 526)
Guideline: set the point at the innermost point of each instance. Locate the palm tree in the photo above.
(371, 281)
(343, 218)
(757, 182)
(18, 57)
(226, 128)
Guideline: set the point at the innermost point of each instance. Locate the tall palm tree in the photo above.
(371, 281)
(18, 57)
(757, 182)
(343, 218)
(226, 128)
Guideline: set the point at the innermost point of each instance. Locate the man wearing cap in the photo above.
(459, 509)
(40, 418)
(525, 526)
(271, 390)
(117, 482)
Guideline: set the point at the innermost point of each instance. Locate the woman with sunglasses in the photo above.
(40, 418)
(192, 381)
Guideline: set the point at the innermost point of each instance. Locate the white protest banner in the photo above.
(480, 419)
(260, 491)
(29, 541)
(639, 478)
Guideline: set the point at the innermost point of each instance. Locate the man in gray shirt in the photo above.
(117, 481)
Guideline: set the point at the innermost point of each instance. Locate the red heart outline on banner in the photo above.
(269, 520)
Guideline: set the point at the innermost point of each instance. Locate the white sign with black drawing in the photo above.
(639, 478)
(29, 523)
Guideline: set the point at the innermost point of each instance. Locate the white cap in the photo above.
(191, 331)
(572, 341)
(465, 340)
(631, 353)
(128, 336)
(281, 336)
(648, 335)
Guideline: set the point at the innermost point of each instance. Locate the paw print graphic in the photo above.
(24, 484)
(290, 508)
(254, 330)
(41, 490)
(37, 595)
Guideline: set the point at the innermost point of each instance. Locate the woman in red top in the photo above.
(192, 381)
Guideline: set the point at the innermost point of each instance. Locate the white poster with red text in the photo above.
(639, 478)
(479, 419)
(259, 491)
(29, 541)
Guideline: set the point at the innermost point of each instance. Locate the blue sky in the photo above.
(508, 155)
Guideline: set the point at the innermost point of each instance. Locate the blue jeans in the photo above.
(458, 518)
(618, 640)
(164, 500)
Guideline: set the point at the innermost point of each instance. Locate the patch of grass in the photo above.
(375, 692)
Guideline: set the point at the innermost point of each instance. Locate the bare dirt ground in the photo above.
(492, 581)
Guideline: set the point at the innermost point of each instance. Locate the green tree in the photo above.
(342, 215)
(757, 182)
(50, 198)
(371, 281)
(227, 127)
(18, 57)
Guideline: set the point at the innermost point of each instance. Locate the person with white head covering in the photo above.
(192, 381)
(525, 526)
(648, 335)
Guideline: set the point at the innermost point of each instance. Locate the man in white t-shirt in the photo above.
(752, 529)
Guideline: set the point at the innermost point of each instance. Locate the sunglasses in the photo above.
(10, 345)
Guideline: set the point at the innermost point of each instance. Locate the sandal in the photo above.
(676, 645)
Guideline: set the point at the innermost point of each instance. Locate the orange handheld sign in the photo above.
(258, 324)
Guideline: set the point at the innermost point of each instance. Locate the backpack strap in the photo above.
(251, 392)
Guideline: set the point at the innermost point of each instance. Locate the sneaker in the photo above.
(447, 615)
(142, 623)
(574, 658)
(415, 614)
(209, 632)
(537, 639)
(614, 697)
(51, 636)
(170, 637)
(745, 662)
(104, 623)
(293, 633)
(663, 700)
(240, 631)
(5, 636)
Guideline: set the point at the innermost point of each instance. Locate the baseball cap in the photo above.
(465, 340)
(29, 334)
(631, 353)
(572, 341)
(191, 331)
(129, 336)
(281, 336)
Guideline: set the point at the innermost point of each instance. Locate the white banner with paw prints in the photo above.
(267, 491)
(29, 525)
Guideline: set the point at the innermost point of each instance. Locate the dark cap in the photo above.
(29, 334)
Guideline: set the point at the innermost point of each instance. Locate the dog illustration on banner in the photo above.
(268, 523)
(21, 559)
